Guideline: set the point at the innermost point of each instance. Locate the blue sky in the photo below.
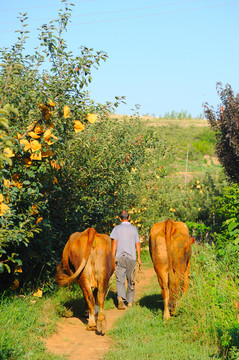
(163, 55)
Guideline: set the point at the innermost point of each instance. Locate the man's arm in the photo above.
(138, 250)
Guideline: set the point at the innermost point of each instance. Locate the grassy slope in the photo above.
(189, 140)
(192, 135)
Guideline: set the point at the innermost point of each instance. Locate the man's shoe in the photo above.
(121, 305)
(129, 304)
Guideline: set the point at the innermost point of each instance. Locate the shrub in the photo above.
(226, 227)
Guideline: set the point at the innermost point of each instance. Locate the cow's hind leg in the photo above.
(172, 290)
(175, 281)
(86, 310)
(175, 289)
(186, 278)
(95, 293)
(165, 293)
(101, 319)
(89, 298)
(163, 282)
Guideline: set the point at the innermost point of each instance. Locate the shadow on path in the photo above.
(76, 308)
(153, 302)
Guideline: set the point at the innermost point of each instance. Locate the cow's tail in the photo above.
(168, 232)
(62, 278)
(169, 229)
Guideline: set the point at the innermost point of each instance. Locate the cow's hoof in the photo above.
(91, 327)
(166, 316)
(101, 327)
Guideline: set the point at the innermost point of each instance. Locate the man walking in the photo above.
(124, 247)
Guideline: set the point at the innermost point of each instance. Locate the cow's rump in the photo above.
(87, 260)
(170, 250)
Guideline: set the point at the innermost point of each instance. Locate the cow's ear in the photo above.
(192, 240)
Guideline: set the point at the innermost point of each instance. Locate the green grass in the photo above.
(142, 334)
(22, 323)
(26, 320)
(146, 259)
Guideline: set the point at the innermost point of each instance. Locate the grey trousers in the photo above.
(124, 269)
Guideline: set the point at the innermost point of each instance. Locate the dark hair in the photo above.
(124, 215)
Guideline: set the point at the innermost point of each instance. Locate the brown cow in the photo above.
(170, 250)
(87, 260)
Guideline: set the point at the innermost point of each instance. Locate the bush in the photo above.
(226, 228)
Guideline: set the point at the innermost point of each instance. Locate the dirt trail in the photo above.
(72, 338)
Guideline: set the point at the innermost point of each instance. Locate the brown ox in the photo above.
(170, 250)
(87, 260)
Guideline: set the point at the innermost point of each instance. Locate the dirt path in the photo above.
(73, 340)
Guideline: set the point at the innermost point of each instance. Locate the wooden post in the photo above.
(186, 174)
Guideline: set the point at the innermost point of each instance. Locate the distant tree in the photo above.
(225, 123)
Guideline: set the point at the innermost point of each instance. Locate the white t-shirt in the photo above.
(127, 236)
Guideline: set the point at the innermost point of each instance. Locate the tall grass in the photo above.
(210, 305)
(204, 327)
